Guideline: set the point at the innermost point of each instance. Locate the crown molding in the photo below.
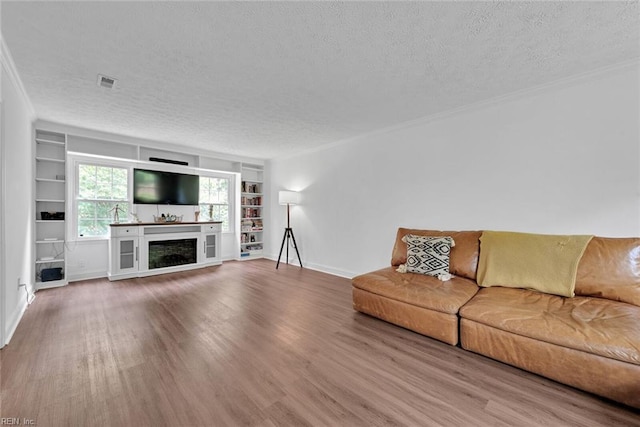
(480, 105)
(9, 66)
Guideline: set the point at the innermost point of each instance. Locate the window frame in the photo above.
(74, 190)
(230, 197)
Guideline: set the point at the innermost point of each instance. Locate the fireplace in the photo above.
(169, 253)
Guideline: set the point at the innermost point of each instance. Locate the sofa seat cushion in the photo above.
(419, 290)
(593, 325)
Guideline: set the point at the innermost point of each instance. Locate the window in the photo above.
(214, 200)
(101, 190)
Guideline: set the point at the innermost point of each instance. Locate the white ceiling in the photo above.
(266, 79)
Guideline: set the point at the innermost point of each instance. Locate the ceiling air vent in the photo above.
(104, 81)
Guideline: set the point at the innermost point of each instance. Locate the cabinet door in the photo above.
(210, 247)
(127, 254)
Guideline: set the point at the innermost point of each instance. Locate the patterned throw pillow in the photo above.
(428, 255)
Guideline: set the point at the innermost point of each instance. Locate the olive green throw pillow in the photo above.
(545, 263)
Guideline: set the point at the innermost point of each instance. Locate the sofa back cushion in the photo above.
(610, 268)
(463, 260)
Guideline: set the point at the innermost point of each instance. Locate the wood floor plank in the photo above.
(245, 344)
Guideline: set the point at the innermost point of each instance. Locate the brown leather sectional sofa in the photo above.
(590, 341)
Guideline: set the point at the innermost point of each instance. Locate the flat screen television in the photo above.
(152, 187)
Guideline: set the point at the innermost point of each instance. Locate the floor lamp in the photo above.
(288, 198)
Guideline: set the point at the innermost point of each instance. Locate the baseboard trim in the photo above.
(317, 267)
(15, 319)
(88, 275)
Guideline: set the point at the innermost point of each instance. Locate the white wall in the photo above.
(561, 159)
(17, 205)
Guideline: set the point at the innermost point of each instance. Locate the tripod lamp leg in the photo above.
(281, 247)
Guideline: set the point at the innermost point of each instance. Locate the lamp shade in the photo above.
(288, 197)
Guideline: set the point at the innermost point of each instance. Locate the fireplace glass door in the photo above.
(169, 253)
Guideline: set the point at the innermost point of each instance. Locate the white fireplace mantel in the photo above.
(196, 245)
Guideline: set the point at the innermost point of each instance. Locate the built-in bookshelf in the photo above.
(50, 197)
(251, 211)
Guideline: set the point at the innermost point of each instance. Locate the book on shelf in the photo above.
(251, 224)
(250, 213)
(248, 237)
(251, 201)
(250, 187)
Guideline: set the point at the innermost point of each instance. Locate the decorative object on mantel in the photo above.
(288, 198)
(167, 218)
(196, 213)
(116, 213)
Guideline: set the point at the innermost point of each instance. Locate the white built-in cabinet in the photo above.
(252, 211)
(124, 252)
(50, 207)
(211, 243)
(133, 248)
(50, 247)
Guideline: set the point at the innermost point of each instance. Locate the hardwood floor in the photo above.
(244, 344)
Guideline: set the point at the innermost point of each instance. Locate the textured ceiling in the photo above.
(265, 79)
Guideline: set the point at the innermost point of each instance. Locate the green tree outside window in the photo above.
(100, 189)
(214, 200)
